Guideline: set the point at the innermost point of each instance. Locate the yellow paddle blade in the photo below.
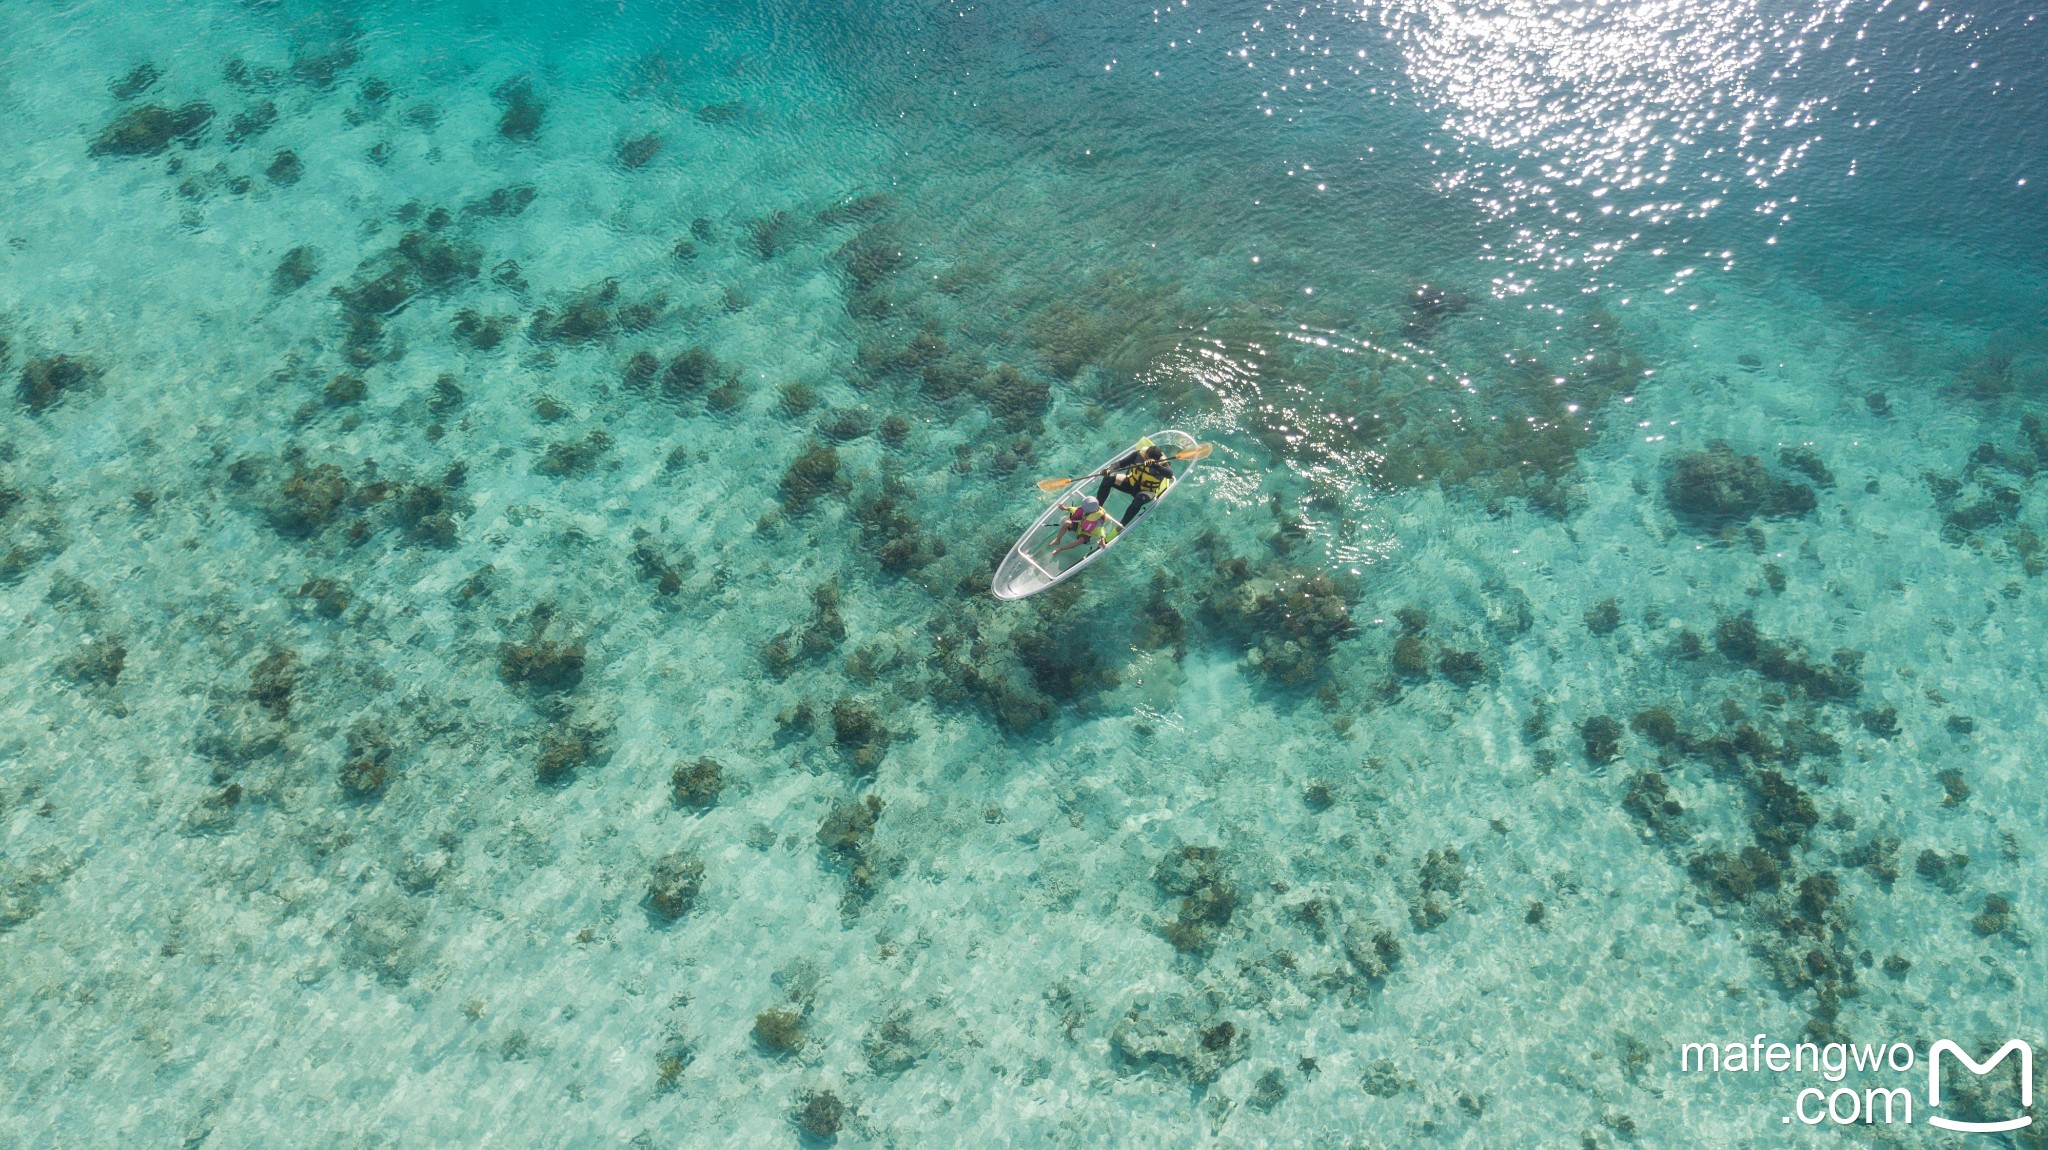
(1054, 484)
(1198, 451)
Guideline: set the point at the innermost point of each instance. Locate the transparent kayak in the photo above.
(1034, 564)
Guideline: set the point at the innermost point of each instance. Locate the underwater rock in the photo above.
(1657, 725)
(849, 827)
(697, 784)
(1997, 917)
(586, 317)
(421, 261)
(426, 512)
(1440, 873)
(1465, 668)
(482, 332)
(364, 778)
(1710, 488)
(567, 748)
(846, 423)
(688, 373)
(542, 665)
(1735, 877)
(857, 730)
(322, 69)
(667, 577)
(251, 122)
(523, 109)
(857, 210)
(1167, 1036)
(895, 1044)
(1784, 813)
(566, 457)
(383, 935)
(1806, 462)
(1187, 869)
(1071, 337)
(814, 473)
(795, 399)
(1372, 949)
(139, 79)
(1739, 640)
(780, 1030)
(899, 544)
(673, 888)
(441, 261)
(151, 129)
(97, 663)
(821, 1114)
(1428, 308)
(1879, 856)
(343, 390)
(215, 812)
(638, 151)
(1881, 721)
(871, 257)
(1942, 870)
(1602, 736)
(295, 270)
(44, 381)
(1649, 799)
(272, 682)
(1317, 796)
(1016, 399)
(308, 499)
(1289, 619)
(366, 769)
(1604, 617)
(1955, 790)
(1207, 899)
(1411, 657)
(772, 234)
(285, 169)
(502, 203)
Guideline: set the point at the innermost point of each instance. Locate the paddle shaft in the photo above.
(1053, 484)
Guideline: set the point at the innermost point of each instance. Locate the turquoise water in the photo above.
(499, 507)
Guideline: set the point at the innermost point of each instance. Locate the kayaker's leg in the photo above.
(1138, 501)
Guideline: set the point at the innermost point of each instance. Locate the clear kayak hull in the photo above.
(1035, 563)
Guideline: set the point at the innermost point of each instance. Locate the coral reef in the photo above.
(151, 129)
(1289, 619)
(697, 784)
(673, 886)
(637, 152)
(780, 1030)
(295, 270)
(814, 473)
(821, 1114)
(1715, 487)
(46, 380)
(522, 109)
(847, 835)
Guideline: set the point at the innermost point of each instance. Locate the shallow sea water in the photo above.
(431, 434)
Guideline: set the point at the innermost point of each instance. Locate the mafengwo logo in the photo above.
(1979, 1099)
(2026, 1053)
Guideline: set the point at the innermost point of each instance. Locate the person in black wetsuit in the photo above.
(1143, 473)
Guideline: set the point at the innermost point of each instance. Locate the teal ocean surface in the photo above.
(499, 505)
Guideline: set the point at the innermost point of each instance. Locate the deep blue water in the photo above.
(499, 506)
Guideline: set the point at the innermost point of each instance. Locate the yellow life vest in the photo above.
(1147, 480)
